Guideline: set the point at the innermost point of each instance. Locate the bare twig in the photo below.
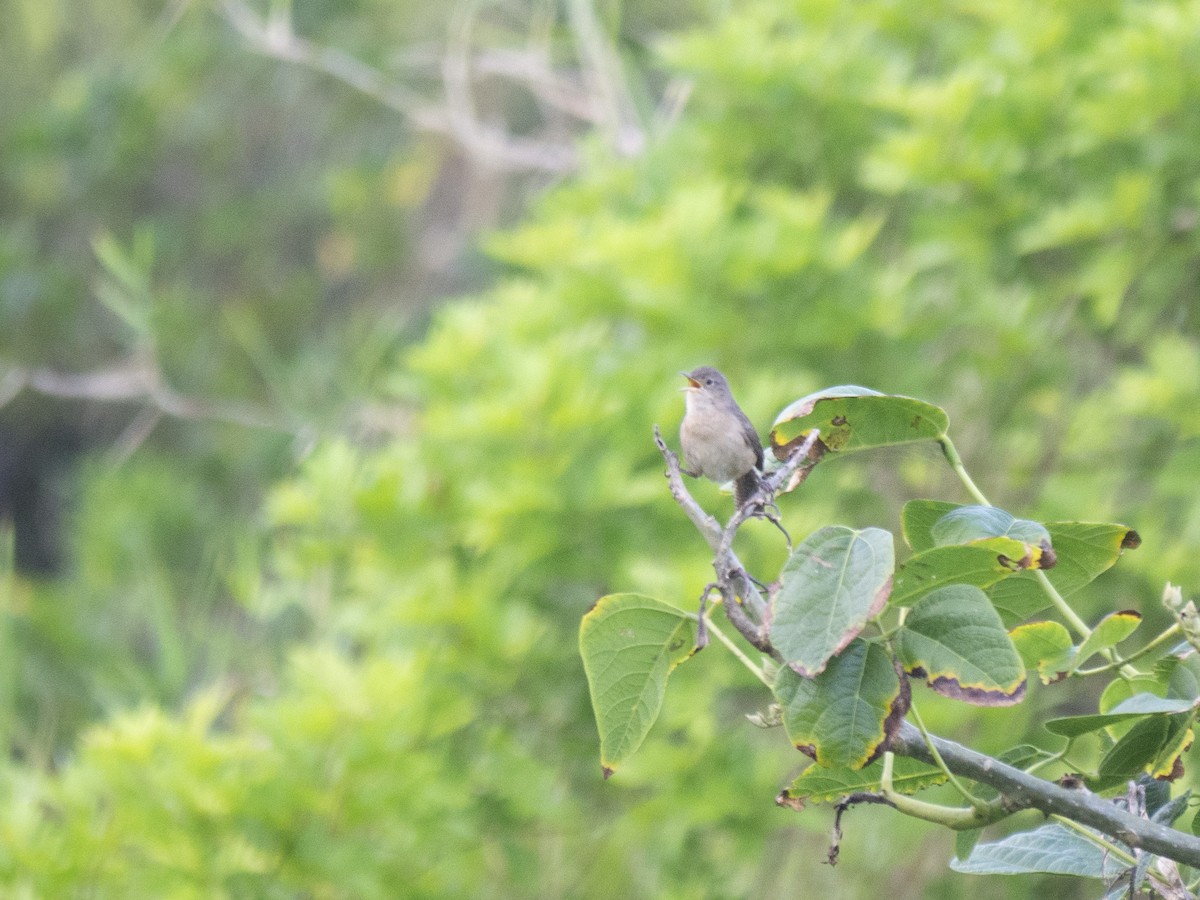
(558, 90)
(135, 434)
(840, 808)
(770, 484)
(745, 606)
(133, 381)
(796, 468)
(491, 146)
(603, 72)
(670, 107)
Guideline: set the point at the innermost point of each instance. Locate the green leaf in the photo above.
(1109, 632)
(1045, 647)
(1083, 550)
(1138, 748)
(818, 784)
(1135, 707)
(1049, 850)
(954, 638)
(1121, 689)
(841, 717)
(1171, 809)
(981, 564)
(630, 644)
(917, 521)
(970, 523)
(1181, 675)
(1153, 744)
(833, 582)
(965, 841)
(856, 418)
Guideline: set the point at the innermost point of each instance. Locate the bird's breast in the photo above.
(713, 445)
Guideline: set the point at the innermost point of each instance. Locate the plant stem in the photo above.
(1092, 836)
(1138, 654)
(960, 470)
(975, 802)
(1062, 606)
(737, 651)
(1056, 598)
(1047, 760)
(958, 818)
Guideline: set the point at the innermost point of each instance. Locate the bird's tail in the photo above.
(746, 487)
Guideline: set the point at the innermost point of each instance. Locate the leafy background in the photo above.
(315, 636)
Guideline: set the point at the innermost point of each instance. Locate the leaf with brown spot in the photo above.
(854, 418)
(982, 563)
(955, 639)
(1083, 551)
(841, 717)
(1045, 647)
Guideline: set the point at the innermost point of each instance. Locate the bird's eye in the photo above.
(708, 381)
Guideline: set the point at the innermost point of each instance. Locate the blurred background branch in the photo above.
(593, 93)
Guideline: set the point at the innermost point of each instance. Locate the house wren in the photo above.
(718, 440)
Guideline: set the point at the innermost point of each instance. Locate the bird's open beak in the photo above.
(692, 385)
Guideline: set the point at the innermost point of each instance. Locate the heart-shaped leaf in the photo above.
(833, 582)
(842, 717)
(630, 644)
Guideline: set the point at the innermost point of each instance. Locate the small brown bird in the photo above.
(718, 440)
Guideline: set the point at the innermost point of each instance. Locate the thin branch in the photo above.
(974, 801)
(1119, 662)
(735, 583)
(491, 146)
(670, 107)
(134, 381)
(533, 71)
(799, 459)
(770, 486)
(135, 434)
(1064, 608)
(840, 808)
(611, 95)
(1056, 598)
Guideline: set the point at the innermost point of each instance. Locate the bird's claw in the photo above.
(762, 506)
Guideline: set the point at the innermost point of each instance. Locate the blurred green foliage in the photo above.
(367, 684)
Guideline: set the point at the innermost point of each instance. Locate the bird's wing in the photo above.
(751, 436)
